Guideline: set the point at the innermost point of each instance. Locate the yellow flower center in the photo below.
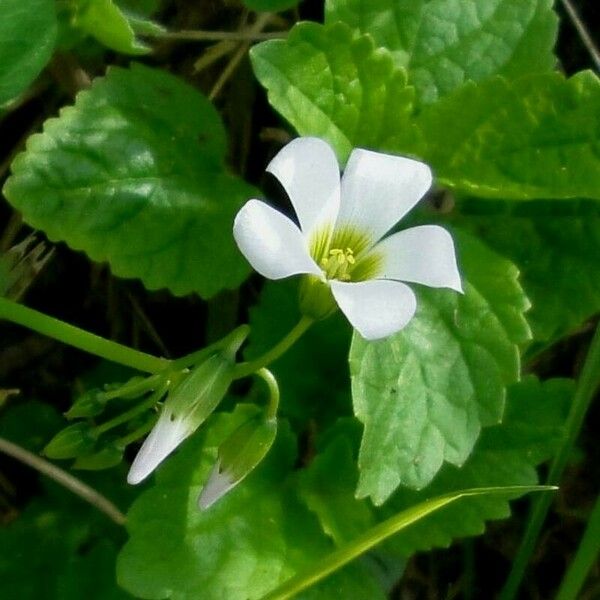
(339, 264)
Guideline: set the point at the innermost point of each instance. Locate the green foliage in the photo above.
(536, 137)
(105, 21)
(27, 37)
(424, 393)
(333, 83)
(504, 455)
(133, 173)
(557, 257)
(445, 43)
(274, 535)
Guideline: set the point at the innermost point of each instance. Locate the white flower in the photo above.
(339, 242)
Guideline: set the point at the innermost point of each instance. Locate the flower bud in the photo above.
(89, 404)
(238, 455)
(73, 441)
(188, 406)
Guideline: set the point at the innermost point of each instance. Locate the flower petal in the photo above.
(309, 172)
(379, 189)
(271, 242)
(376, 308)
(422, 254)
(167, 434)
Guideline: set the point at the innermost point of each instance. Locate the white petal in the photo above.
(309, 172)
(216, 487)
(375, 308)
(271, 242)
(379, 189)
(422, 254)
(162, 440)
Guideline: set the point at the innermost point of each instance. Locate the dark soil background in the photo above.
(72, 288)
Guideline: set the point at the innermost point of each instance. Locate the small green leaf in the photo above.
(27, 37)
(424, 393)
(333, 83)
(537, 137)
(445, 43)
(133, 174)
(104, 20)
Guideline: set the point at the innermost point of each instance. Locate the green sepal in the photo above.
(89, 404)
(107, 457)
(71, 442)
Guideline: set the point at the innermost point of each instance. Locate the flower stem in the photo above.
(584, 393)
(248, 368)
(79, 338)
(271, 382)
(132, 412)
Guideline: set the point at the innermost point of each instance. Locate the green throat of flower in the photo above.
(344, 255)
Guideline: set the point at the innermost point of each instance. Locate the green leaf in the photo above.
(558, 260)
(133, 173)
(445, 43)
(251, 540)
(104, 20)
(537, 137)
(27, 37)
(424, 393)
(333, 83)
(327, 487)
(29, 423)
(270, 5)
(505, 454)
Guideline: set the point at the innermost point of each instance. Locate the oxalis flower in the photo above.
(340, 245)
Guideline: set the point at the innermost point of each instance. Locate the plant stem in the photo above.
(79, 338)
(248, 368)
(584, 393)
(219, 36)
(63, 478)
(586, 38)
(132, 412)
(271, 382)
(584, 560)
(348, 552)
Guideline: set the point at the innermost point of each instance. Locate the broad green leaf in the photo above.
(254, 538)
(537, 137)
(558, 260)
(424, 393)
(105, 21)
(505, 454)
(133, 174)
(320, 355)
(27, 37)
(29, 423)
(333, 83)
(270, 5)
(327, 487)
(445, 43)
